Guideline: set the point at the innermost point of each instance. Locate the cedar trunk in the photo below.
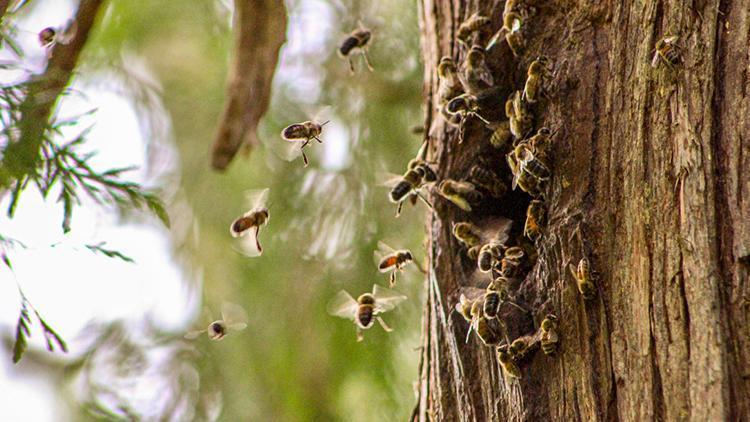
(650, 181)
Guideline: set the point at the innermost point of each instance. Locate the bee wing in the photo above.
(248, 245)
(472, 293)
(192, 335)
(233, 314)
(255, 198)
(485, 75)
(386, 299)
(516, 25)
(387, 179)
(655, 59)
(237, 327)
(343, 305)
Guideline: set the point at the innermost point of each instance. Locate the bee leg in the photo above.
(367, 61)
(517, 305)
(304, 158)
(384, 325)
(468, 333)
(257, 241)
(392, 279)
(318, 139)
(424, 200)
(351, 65)
(360, 334)
(398, 209)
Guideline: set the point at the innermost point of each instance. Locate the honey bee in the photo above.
(470, 26)
(510, 369)
(521, 347)
(486, 179)
(501, 136)
(357, 40)
(489, 254)
(248, 225)
(528, 172)
(540, 143)
(450, 84)
(481, 325)
(582, 275)
(50, 36)
(666, 51)
(520, 119)
(390, 260)
(409, 186)
(511, 30)
(464, 106)
(522, 178)
(496, 294)
(535, 215)
(461, 193)
(303, 132)
(548, 334)
(233, 318)
(366, 309)
(467, 233)
(473, 252)
(464, 306)
(535, 79)
(511, 261)
(476, 76)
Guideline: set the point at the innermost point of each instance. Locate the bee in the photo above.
(501, 136)
(248, 225)
(50, 36)
(464, 306)
(486, 179)
(390, 260)
(489, 254)
(475, 75)
(495, 295)
(521, 347)
(473, 252)
(535, 79)
(467, 233)
(366, 309)
(519, 117)
(303, 132)
(582, 275)
(481, 325)
(666, 51)
(357, 39)
(470, 26)
(535, 216)
(461, 193)
(522, 178)
(540, 143)
(233, 318)
(464, 106)
(510, 369)
(511, 30)
(548, 334)
(409, 186)
(424, 170)
(511, 261)
(450, 84)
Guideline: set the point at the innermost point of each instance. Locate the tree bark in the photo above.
(649, 181)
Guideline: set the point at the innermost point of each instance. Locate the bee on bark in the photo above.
(540, 143)
(512, 31)
(666, 51)
(521, 347)
(303, 132)
(489, 254)
(523, 178)
(247, 226)
(548, 335)
(519, 116)
(233, 319)
(391, 260)
(492, 300)
(582, 275)
(511, 262)
(366, 309)
(535, 80)
(464, 306)
(470, 26)
(450, 84)
(357, 40)
(510, 369)
(535, 217)
(464, 106)
(461, 193)
(501, 135)
(480, 324)
(487, 180)
(467, 233)
(475, 75)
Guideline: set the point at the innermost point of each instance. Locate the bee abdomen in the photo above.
(400, 191)
(295, 131)
(348, 45)
(364, 316)
(491, 305)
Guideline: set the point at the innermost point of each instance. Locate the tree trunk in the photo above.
(649, 180)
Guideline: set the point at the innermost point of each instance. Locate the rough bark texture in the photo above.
(260, 30)
(650, 181)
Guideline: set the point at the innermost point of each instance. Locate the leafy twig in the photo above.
(99, 248)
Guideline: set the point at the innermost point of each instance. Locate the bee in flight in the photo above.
(461, 193)
(409, 186)
(356, 40)
(391, 260)
(366, 309)
(303, 132)
(233, 318)
(248, 225)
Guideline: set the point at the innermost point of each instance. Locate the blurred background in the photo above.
(155, 72)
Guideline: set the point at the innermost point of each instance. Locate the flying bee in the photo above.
(409, 186)
(535, 79)
(50, 36)
(486, 179)
(357, 40)
(366, 309)
(582, 275)
(501, 136)
(248, 225)
(464, 106)
(461, 193)
(475, 75)
(468, 234)
(450, 84)
(519, 117)
(233, 318)
(548, 334)
(303, 132)
(510, 369)
(470, 26)
(535, 216)
(666, 51)
(489, 255)
(390, 260)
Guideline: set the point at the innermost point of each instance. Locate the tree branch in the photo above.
(20, 158)
(260, 30)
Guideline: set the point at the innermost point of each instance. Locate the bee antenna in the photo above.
(324, 123)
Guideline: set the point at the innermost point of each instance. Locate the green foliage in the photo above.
(99, 248)
(23, 331)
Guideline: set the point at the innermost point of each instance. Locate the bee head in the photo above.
(217, 330)
(446, 66)
(475, 55)
(47, 36)
(408, 255)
